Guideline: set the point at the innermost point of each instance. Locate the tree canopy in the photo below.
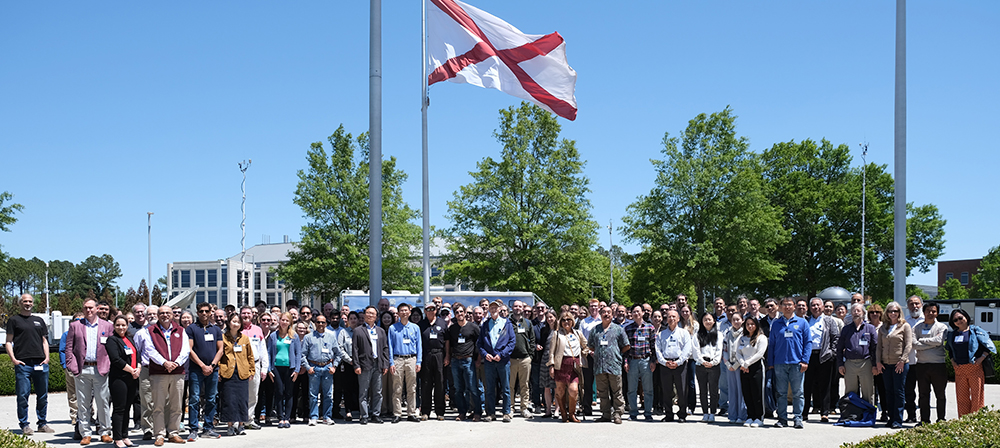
(986, 282)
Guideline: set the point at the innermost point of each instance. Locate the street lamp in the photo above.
(149, 252)
(864, 193)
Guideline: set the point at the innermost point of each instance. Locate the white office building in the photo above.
(223, 282)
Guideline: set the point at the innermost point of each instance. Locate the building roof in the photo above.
(267, 253)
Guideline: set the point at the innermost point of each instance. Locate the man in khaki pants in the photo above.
(520, 358)
(167, 350)
(405, 355)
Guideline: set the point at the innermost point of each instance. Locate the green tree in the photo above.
(914, 290)
(986, 282)
(333, 195)
(952, 290)
(7, 211)
(707, 220)
(524, 222)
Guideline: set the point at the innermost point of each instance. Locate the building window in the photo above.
(225, 278)
(199, 278)
(949, 276)
(985, 317)
(185, 279)
(213, 278)
(175, 278)
(224, 295)
(270, 280)
(256, 280)
(199, 297)
(965, 278)
(256, 297)
(213, 297)
(270, 298)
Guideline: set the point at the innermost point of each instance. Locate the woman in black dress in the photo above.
(123, 379)
(235, 367)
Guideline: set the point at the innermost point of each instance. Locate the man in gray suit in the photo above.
(370, 352)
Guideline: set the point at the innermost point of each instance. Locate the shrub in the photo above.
(11, 440)
(57, 379)
(974, 430)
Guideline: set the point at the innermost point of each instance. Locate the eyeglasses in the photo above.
(875, 312)
(565, 320)
(892, 312)
(958, 318)
(320, 321)
(204, 311)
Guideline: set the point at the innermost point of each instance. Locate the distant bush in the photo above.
(981, 429)
(57, 379)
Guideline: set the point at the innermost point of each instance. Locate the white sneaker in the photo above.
(755, 423)
(312, 422)
(526, 414)
(711, 417)
(746, 424)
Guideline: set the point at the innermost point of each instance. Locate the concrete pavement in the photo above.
(520, 432)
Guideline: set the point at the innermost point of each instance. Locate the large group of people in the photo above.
(257, 366)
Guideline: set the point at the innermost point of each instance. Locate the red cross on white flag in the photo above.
(468, 45)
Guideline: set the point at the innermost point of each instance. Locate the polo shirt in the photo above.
(205, 339)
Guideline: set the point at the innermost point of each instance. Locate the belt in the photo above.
(319, 364)
(405, 356)
(461, 357)
(90, 363)
(519, 357)
(638, 357)
(671, 359)
(436, 352)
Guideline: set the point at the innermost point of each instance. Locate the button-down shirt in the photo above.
(373, 338)
(494, 328)
(607, 344)
(343, 337)
(673, 345)
(92, 339)
(141, 340)
(588, 323)
(856, 343)
(150, 353)
(320, 348)
(639, 337)
(404, 340)
(816, 331)
(913, 321)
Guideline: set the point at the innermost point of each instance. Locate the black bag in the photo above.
(989, 370)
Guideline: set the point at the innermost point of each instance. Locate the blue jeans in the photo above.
(203, 390)
(320, 382)
(785, 374)
(724, 386)
(638, 369)
(465, 386)
(496, 372)
(895, 392)
(24, 377)
(769, 401)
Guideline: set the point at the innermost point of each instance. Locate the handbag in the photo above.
(989, 370)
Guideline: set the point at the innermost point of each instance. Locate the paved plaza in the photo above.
(520, 432)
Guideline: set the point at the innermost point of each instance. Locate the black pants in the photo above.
(300, 398)
(283, 392)
(534, 380)
(928, 375)
(432, 384)
(657, 393)
(122, 393)
(669, 380)
(752, 384)
(345, 387)
(817, 385)
(265, 399)
(910, 387)
(587, 391)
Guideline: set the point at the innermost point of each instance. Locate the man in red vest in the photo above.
(167, 353)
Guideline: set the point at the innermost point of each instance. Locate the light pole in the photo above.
(611, 262)
(46, 288)
(244, 166)
(149, 252)
(864, 193)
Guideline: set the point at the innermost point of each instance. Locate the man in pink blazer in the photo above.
(87, 360)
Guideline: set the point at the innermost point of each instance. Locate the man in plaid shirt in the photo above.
(640, 336)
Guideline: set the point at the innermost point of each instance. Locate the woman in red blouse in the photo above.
(123, 379)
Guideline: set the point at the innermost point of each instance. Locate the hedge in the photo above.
(57, 379)
(11, 440)
(981, 429)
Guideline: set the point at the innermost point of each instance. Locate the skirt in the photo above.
(236, 399)
(567, 372)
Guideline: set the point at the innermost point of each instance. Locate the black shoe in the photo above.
(347, 418)
(337, 416)
(78, 436)
(649, 419)
(364, 421)
(412, 418)
(668, 418)
(377, 419)
(910, 420)
(780, 424)
(395, 419)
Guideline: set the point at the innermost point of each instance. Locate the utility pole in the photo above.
(864, 193)
(611, 258)
(244, 166)
(899, 188)
(47, 312)
(149, 262)
(375, 153)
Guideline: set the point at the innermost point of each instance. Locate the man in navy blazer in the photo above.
(87, 360)
(496, 342)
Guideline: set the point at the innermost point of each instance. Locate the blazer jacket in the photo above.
(119, 359)
(362, 349)
(76, 346)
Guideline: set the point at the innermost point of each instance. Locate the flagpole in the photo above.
(423, 125)
(899, 189)
(375, 154)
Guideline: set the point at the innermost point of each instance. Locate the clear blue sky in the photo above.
(110, 110)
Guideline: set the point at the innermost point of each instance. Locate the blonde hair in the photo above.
(889, 307)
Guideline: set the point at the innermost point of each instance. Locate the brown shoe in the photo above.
(175, 439)
(106, 439)
(159, 441)
(85, 440)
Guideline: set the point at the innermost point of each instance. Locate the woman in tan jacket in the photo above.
(895, 340)
(235, 367)
(567, 354)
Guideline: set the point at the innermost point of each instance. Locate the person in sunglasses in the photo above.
(968, 345)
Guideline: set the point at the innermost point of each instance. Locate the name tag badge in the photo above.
(254, 339)
(640, 338)
(104, 339)
(926, 330)
(788, 334)
(520, 330)
(960, 338)
(39, 368)
(406, 340)
(603, 342)
(128, 351)
(325, 350)
(177, 335)
(461, 340)
(433, 336)
(862, 342)
(209, 337)
(237, 348)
